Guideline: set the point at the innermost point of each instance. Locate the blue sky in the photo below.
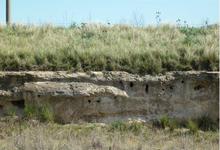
(64, 12)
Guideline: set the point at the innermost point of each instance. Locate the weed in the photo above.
(46, 114)
(173, 124)
(42, 113)
(205, 123)
(30, 111)
(192, 126)
(118, 126)
(11, 111)
(164, 122)
(134, 127)
(73, 25)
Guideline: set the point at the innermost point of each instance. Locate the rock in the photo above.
(73, 89)
(110, 96)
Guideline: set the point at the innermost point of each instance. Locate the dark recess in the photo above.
(198, 87)
(121, 84)
(146, 88)
(19, 104)
(131, 84)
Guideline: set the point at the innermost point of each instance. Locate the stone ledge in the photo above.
(106, 96)
(72, 89)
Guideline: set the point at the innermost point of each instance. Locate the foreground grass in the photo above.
(112, 48)
(25, 135)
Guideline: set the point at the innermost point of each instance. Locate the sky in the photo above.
(137, 12)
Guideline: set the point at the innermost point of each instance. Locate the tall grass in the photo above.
(43, 113)
(100, 47)
(116, 136)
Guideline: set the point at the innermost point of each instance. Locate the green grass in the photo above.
(207, 124)
(43, 113)
(11, 111)
(193, 127)
(134, 127)
(112, 48)
(203, 123)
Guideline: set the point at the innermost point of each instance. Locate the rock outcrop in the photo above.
(109, 96)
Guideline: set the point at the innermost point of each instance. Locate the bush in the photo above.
(118, 126)
(192, 126)
(134, 127)
(205, 123)
(30, 111)
(42, 113)
(173, 124)
(11, 111)
(166, 122)
(46, 114)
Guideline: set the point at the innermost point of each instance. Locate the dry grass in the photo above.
(100, 47)
(32, 135)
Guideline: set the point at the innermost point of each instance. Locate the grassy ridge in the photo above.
(98, 47)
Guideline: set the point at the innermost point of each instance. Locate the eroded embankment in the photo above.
(109, 96)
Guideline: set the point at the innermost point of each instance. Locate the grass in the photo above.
(134, 127)
(207, 124)
(10, 111)
(43, 113)
(204, 123)
(31, 134)
(193, 127)
(140, 50)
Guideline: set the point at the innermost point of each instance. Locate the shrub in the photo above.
(166, 122)
(73, 25)
(46, 114)
(11, 111)
(43, 113)
(205, 123)
(173, 124)
(118, 126)
(30, 111)
(192, 126)
(134, 127)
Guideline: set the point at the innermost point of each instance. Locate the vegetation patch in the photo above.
(203, 123)
(192, 126)
(120, 126)
(43, 113)
(32, 134)
(88, 47)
